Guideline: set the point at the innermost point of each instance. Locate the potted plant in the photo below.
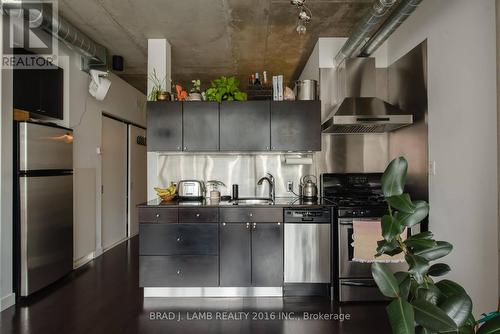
(225, 89)
(419, 303)
(213, 186)
(195, 92)
(158, 93)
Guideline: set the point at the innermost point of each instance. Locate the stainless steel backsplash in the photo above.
(366, 153)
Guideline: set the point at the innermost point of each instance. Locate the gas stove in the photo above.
(355, 194)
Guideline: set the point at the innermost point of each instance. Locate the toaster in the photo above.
(191, 189)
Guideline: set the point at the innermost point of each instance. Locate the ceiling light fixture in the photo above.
(305, 16)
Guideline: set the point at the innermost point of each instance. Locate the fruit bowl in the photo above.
(167, 198)
(166, 194)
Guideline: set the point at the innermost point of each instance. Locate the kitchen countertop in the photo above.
(279, 202)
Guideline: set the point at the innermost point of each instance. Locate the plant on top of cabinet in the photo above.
(225, 89)
(420, 305)
(195, 92)
(157, 91)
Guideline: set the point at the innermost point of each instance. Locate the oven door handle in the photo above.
(349, 223)
(358, 284)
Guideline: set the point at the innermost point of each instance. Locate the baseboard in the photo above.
(83, 260)
(98, 252)
(7, 301)
(116, 244)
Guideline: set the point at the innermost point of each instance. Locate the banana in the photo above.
(166, 191)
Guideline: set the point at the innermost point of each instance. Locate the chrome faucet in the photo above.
(270, 179)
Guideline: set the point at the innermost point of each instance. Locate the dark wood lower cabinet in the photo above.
(267, 254)
(235, 254)
(251, 254)
(180, 270)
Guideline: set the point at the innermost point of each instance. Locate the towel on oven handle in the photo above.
(365, 235)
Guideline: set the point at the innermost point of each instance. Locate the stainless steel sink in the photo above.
(253, 201)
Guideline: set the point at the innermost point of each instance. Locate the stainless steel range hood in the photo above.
(360, 111)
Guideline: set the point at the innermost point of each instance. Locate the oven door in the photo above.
(347, 267)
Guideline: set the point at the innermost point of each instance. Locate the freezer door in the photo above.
(307, 253)
(46, 230)
(44, 147)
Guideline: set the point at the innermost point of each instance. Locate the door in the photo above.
(296, 126)
(114, 182)
(46, 212)
(164, 126)
(201, 126)
(307, 253)
(137, 176)
(267, 254)
(44, 147)
(235, 254)
(245, 126)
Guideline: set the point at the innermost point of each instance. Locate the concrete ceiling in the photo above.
(210, 38)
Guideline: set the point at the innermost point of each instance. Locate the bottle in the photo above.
(252, 80)
(235, 191)
(265, 83)
(257, 80)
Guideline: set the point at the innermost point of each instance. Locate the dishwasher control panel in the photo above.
(321, 215)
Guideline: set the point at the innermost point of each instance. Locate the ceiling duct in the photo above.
(363, 29)
(94, 55)
(397, 17)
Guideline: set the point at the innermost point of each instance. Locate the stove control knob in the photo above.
(361, 213)
(354, 213)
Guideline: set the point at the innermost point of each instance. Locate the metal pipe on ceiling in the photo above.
(363, 29)
(42, 16)
(397, 17)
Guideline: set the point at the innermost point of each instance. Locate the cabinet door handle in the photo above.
(279, 223)
(178, 271)
(185, 148)
(248, 225)
(223, 224)
(197, 215)
(179, 239)
(157, 215)
(250, 214)
(254, 225)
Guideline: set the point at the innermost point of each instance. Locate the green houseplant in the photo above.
(158, 86)
(225, 89)
(419, 303)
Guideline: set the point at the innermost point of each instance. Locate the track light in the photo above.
(305, 16)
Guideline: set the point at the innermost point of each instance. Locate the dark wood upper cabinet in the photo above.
(201, 126)
(245, 126)
(251, 126)
(39, 91)
(164, 126)
(296, 126)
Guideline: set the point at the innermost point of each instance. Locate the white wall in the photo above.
(462, 135)
(84, 114)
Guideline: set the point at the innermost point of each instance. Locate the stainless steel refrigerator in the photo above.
(44, 205)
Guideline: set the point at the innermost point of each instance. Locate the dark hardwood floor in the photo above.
(103, 297)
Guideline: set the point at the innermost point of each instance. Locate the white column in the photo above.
(159, 59)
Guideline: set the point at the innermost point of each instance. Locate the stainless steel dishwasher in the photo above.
(307, 245)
